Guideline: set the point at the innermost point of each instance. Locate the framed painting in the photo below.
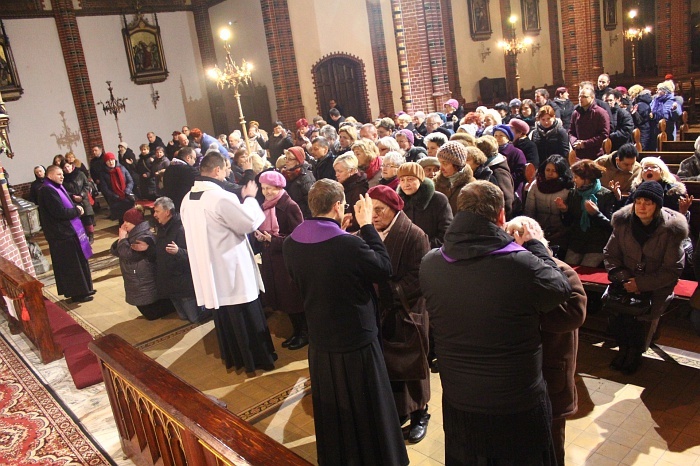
(10, 87)
(531, 16)
(610, 15)
(479, 19)
(144, 50)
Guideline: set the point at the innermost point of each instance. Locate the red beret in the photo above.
(386, 195)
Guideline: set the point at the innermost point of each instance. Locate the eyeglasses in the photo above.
(379, 210)
(390, 165)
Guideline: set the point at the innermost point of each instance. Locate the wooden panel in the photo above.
(340, 79)
(180, 424)
(668, 157)
(677, 146)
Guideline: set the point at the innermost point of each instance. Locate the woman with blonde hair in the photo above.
(368, 159)
(347, 135)
(675, 194)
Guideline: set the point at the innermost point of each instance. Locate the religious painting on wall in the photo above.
(479, 19)
(610, 15)
(144, 50)
(10, 87)
(531, 16)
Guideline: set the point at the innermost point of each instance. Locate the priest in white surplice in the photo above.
(226, 277)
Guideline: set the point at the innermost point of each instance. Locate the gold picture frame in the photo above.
(479, 19)
(10, 87)
(531, 16)
(144, 50)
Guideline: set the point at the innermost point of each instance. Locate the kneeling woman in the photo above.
(646, 246)
(404, 320)
(136, 251)
(282, 216)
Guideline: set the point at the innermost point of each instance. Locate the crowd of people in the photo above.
(398, 244)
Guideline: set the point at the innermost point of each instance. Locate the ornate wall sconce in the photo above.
(155, 97)
(114, 106)
(613, 38)
(535, 48)
(484, 52)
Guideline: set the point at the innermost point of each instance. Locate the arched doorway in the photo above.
(341, 78)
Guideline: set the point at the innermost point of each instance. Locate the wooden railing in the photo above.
(162, 420)
(24, 291)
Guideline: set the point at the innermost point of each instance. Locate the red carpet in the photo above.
(73, 338)
(34, 428)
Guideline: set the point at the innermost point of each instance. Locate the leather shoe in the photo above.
(298, 342)
(81, 299)
(632, 362)
(419, 425)
(288, 341)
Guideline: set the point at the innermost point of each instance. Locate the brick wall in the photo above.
(451, 49)
(13, 245)
(283, 63)
(583, 53)
(74, 58)
(381, 65)
(672, 37)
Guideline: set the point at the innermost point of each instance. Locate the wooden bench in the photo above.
(29, 316)
(677, 146)
(666, 156)
(164, 421)
(691, 135)
(594, 279)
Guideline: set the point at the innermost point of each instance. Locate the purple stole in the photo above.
(74, 222)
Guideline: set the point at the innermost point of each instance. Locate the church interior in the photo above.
(73, 76)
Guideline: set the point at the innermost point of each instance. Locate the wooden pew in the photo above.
(691, 135)
(668, 157)
(164, 421)
(673, 167)
(677, 146)
(25, 293)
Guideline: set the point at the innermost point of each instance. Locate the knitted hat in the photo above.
(133, 216)
(412, 169)
(454, 152)
(650, 190)
(505, 129)
(109, 156)
(123, 144)
(386, 195)
(429, 162)
(519, 125)
(273, 178)
(515, 103)
(622, 89)
(452, 103)
(298, 153)
(408, 133)
(666, 86)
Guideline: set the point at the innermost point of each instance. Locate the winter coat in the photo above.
(541, 207)
(34, 188)
(324, 168)
(551, 141)
(590, 126)
(451, 189)
(566, 109)
(281, 293)
(178, 179)
(529, 149)
(415, 153)
(621, 127)
(158, 165)
(559, 331)
(216, 221)
(505, 287)
(689, 169)
(501, 172)
(76, 183)
(138, 267)
(128, 160)
(355, 185)
(661, 255)
(106, 185)
(593, 240)
(429, 210)
(642, 120)
(662, 108)
(173, 274)
(299, 187)
(276, 145)
(516, 164)
(612, 173)
(147, 184)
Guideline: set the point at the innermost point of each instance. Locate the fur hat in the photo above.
(412, 169)
(505, 129)
(386, 195)
(407, 133)
(519, 125)
(134, 216)
(650, 190)
(273, 178)
(454, 152)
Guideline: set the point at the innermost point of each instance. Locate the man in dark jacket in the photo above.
(484, 294)
(173, 274)
(590, 126)
(621, 124)
(320, 151)
(354, 413)
(179, 176)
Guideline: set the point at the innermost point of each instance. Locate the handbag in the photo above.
(617, 300)
(405, 342)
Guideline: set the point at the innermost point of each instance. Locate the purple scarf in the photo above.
(74, 222)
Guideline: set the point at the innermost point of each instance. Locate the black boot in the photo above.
(301, 332)
(619, 360)
(632, 361)
(419, 425)
(294, 319)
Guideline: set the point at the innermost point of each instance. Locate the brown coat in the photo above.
(406, 244)
(559, 330)
(280, 291)
(451, 190)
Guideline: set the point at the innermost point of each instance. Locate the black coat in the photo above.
(147, 184)
(566, 108)
(173, 274)
(138, 267)
(76, 183)
(594, 239)
(621, 127)
(276, 145)
(354, 186)
(429, 210)
(55, 218)
(324, 168)
(178, 179)
(495, 347)
(529, 149)
(298, 189)
(551, 141)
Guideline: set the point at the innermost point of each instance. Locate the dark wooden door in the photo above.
(340, 79)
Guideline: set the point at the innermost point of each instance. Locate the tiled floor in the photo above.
(652, 417)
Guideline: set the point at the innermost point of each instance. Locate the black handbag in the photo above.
(617, 300)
